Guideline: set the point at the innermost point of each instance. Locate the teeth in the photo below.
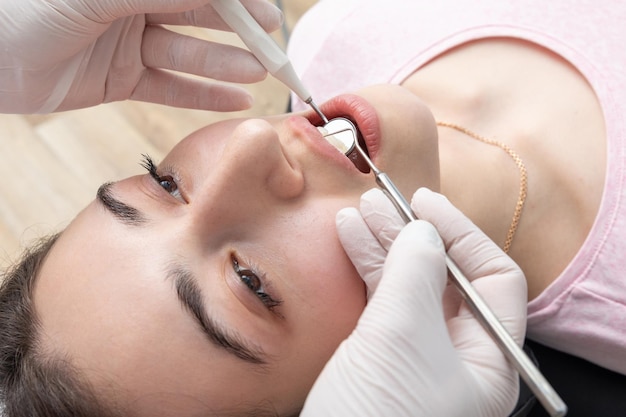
(322, 130)
(333, 140)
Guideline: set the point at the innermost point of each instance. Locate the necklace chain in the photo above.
(523, 188)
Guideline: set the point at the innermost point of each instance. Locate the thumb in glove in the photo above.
(386, 366)
(367, 250)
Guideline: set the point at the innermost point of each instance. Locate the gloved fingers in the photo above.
(381, 216)
(452, 301)
(417, 255)
(496, 277)
(161, 87)
(499, 282)
(505, 294)
(268, 15)
(483, 359)
(462, 238)
(408, 301)
(361, 246)
(165, 49)
(366, 235)
(202, 17)
(107, 11)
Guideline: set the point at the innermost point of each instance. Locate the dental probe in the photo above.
(264, 48)
(535, 380)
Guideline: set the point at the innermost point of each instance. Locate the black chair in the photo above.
(588, 389)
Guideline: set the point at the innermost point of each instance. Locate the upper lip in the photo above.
(360, 112)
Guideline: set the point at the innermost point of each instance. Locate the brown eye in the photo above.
(168, 183)
(247, 276)
(250, 279)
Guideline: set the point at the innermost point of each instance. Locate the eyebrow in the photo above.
(126, 214)
(186, 285)
(191, 297)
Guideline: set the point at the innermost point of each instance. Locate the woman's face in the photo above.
(218, 282)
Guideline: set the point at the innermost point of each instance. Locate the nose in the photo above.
(253, 172)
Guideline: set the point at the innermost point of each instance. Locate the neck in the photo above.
(523, 176)
(526, 109)
(481, 180)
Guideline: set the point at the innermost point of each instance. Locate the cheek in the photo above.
(326, 301)
(338, 284)
(328, 292)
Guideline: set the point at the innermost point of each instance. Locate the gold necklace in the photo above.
(523, 189)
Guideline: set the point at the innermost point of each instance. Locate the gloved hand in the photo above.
(417, 350)
(66, 54)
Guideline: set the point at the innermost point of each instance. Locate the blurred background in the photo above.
(52, 165)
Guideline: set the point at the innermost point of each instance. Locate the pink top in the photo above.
(342, 45)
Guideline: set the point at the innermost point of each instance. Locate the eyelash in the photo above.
(151, 167)
(247, 276)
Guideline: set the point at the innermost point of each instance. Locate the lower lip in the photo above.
(319, 144)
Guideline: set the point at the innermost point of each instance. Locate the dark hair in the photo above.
(34, 384)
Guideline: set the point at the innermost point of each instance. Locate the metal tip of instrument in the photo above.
(366, 158)
(311, 103)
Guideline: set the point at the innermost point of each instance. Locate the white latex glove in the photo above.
(407, 357)
(66, 54)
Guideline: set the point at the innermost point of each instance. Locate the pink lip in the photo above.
(352, 107)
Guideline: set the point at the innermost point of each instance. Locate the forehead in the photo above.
(85, 282)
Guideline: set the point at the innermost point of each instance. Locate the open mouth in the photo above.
(344, 135)
(361, 117)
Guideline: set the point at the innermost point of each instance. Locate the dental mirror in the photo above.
(343, 135)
